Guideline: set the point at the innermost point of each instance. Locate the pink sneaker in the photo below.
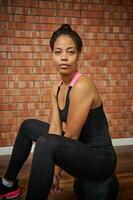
(9, 193)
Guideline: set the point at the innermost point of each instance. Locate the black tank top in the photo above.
(95, 130)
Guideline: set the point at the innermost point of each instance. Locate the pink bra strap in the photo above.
(60, 83)
(75, 78)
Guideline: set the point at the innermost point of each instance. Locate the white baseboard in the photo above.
(8, 150)
(116, 142)
(122, 141)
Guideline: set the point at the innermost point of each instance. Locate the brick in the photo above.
(51, 20)
(92, 14)
(19, 99)
(3, 40)
(41, 56)
(20, 41)
(22, 10)
(3, 55)
(3, 17)
(42, 27)
(21, 26)
(26, 18)
(21, 70)
(68, 13)
(7, 63)
(7, 107)
(47, 4)
(40, 41)
(27, 34)
(3, 84)
(7, 33)
(23, 48)
(44, 12)
(27, 63)
(5, 47)
(28, 3)
(20, 56)
(25, 113)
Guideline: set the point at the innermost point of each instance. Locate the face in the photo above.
(65, 55)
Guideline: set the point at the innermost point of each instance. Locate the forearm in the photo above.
(55, 129)
(57, 170)
(70, 133)
(55, 122)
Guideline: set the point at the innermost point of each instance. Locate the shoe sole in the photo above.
(11, 195)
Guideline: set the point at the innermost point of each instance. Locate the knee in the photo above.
(25, 126)
(47, 141)
(26, 123)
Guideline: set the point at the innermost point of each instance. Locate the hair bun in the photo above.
(66, 27)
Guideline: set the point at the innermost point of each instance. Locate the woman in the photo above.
(78, 140)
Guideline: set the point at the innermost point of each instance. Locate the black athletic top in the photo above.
(95, 130)
(95, 134)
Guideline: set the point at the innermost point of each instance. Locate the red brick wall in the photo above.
(26, 70)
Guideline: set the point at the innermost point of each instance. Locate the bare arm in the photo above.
(55, 128)
(55, 122)
(82, 98)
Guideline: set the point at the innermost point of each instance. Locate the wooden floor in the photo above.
(124, 173)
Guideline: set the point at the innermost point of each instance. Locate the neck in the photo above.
(67, 78)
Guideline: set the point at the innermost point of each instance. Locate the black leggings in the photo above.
(76, 158)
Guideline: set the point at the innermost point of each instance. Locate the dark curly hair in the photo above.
(66, 29)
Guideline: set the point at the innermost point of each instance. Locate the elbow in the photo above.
(71, 136)
(55, 129)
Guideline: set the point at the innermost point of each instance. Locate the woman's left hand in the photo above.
(56, 185)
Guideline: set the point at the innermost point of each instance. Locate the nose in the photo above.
(64, 56)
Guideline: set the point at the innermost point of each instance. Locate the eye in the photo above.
(57, 52)
(71, 52)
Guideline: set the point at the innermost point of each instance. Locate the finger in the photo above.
(53, 192)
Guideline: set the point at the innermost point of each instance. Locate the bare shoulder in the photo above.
(86, 89)
(84, 84)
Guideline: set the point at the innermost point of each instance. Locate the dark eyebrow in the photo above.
(71, 48)
(58, 48)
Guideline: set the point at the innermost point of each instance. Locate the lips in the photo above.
(64, 65)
